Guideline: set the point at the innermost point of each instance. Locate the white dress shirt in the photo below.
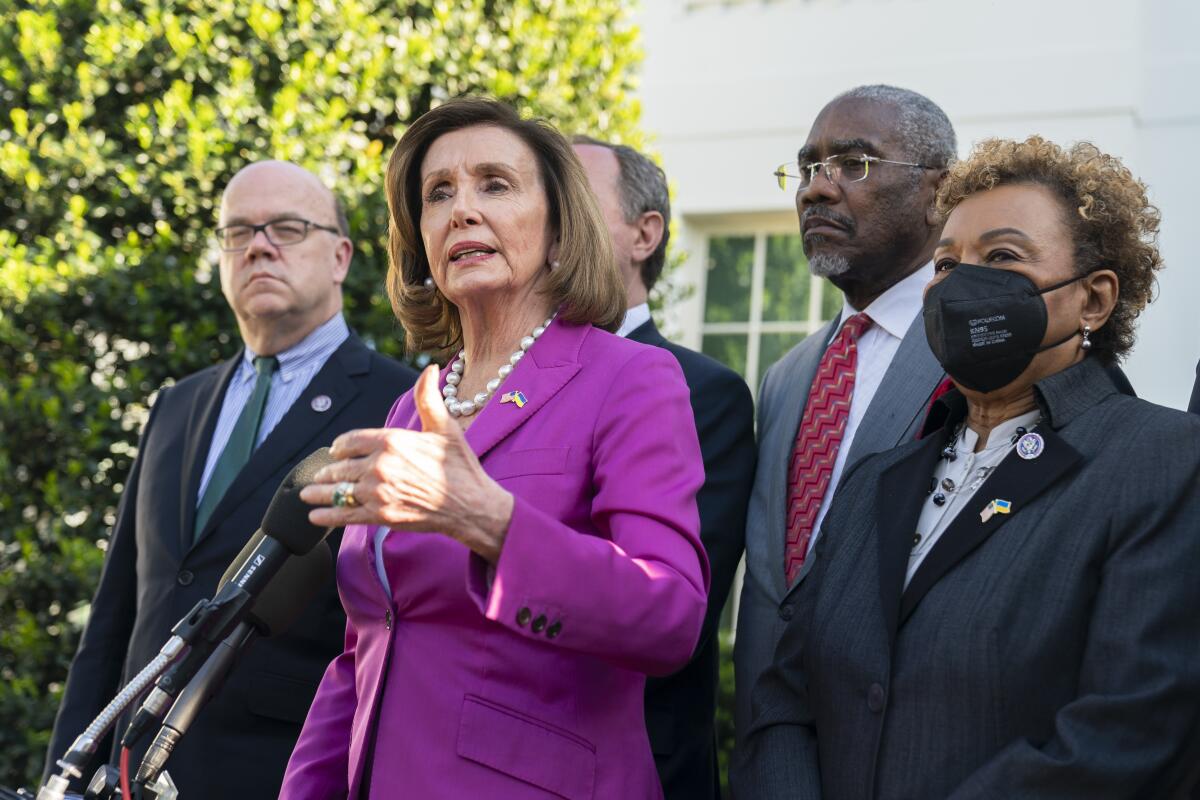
(297, 366)
(893, 313)
(957, 481)
(635, 318)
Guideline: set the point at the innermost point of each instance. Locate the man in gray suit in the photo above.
(865, 182)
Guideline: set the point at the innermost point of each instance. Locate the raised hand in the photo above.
(427, 480)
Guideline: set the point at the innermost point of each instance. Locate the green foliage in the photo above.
(119, 123)
(725, 729)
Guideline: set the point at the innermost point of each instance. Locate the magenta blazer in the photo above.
(526, 683)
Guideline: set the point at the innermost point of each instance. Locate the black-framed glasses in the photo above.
(280, 232)
(847, 167)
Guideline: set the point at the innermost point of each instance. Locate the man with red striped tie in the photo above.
(865, 182)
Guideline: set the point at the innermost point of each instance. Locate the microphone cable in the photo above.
(125, 793)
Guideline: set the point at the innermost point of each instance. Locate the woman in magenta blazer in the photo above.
(523, 543)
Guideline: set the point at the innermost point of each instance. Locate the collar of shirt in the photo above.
(1000, 437)
(300, 357)
(635, 318)
(895, 309)
(958, 481)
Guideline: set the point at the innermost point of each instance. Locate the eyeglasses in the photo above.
(280, 232)
(848, 168)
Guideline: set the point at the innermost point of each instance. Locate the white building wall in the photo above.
(730, 87)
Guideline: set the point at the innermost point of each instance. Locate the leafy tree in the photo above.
(120, 121)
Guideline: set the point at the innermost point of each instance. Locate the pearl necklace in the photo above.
(465, 408)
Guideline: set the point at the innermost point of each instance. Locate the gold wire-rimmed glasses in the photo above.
(847, 167)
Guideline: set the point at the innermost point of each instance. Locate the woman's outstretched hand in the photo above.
(428, 480)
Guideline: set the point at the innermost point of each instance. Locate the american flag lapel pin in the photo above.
(997, 506)
(515, 396)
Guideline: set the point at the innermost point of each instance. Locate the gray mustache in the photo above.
(820, 212)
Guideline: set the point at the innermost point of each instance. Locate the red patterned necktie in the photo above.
(819, 438)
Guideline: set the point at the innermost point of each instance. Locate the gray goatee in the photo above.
(828, 265)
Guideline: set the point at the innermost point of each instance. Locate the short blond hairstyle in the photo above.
(1112, 222)
(585, 285)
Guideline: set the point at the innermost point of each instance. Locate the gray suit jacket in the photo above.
(1051, 652)
(894, 417)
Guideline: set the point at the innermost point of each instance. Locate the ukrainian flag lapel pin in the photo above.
(997, 506)
(515, 396)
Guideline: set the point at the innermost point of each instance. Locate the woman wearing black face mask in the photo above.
(1010, 607)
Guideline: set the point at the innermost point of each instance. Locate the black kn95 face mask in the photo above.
(985, 324)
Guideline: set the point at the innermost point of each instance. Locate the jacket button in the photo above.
(876, 698)
(185, 577)
(554, 630)
(523, 617)
(387, 619)
(539, 624)
(786, 612)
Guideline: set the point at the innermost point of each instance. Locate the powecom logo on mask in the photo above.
(983, 335)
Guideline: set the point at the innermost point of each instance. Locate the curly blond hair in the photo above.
(1112, 222)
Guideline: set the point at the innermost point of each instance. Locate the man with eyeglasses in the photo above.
(214, 450)
(864, 183)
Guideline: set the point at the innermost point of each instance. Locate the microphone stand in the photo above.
(220, 613)
(287, 518)
(72, 763)
(203, 686)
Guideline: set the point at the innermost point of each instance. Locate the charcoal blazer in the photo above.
(681, 708)
(154, 573)
(1050, 652)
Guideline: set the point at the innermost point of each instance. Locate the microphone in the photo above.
(276, 610)
(285, 531)
(286, 596)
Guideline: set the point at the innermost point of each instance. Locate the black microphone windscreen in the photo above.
(282, 600)
(287, 516)
(291, 590)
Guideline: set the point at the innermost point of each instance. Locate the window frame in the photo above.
(758, 227)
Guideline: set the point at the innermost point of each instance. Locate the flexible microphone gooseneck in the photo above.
(276, 610)
(287, 531)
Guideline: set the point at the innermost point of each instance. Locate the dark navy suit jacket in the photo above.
(681, 708)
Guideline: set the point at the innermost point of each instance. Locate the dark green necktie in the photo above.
(241, 442)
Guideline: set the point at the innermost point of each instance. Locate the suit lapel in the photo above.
(299, 425)
(547, 367)
(902, 397)
(795, 383)
(899, 499)
(1016, 480)
(201, 423)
